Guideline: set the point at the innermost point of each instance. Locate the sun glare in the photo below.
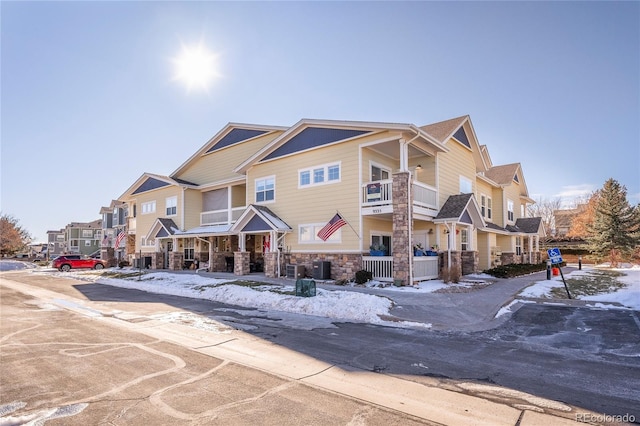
(196, 67)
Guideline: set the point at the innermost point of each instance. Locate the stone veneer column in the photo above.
(176, 260)
(271, 264)
(401, 231)
(241, 262)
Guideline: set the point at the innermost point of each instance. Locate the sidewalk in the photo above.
(474, 310)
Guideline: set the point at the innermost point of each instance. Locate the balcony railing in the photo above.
(425, 268)
(131, 225)
(378, 197)
(221, 217)
(381, 267)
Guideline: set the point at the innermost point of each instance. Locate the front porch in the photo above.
(381, 267)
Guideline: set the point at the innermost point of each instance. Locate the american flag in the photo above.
(119, 239)
(334, 224)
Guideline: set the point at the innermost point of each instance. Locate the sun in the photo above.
(196, 67)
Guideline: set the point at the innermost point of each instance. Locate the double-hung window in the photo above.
(265, 189)
(309, 234)
(319, 175)
(172, 206)
(464, 240)
(485, 206)
(466, 186)
(149, 207)
(510, 216)
(518, 246)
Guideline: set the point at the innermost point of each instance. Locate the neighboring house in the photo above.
(56, 243)
(114, 221)
(83, 238)
(254, 198)
(563, 219)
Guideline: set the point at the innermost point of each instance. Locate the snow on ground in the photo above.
(342, 305)
(339, 305)
(628, 296)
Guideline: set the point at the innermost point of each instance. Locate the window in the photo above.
(87, 233)
(265, 189)
(464, 239)
(466, 187)
(324, 174)
(379, 173)
(485, 206)
(309, 234)
(172, 206)
(149, 207)
(382, 240)
(518, 245)
(510, 210)
(188, 249)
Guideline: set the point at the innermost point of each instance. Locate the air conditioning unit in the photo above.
(295, 271)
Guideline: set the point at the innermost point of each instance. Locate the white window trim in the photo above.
(255, 189)
(382, 167)
(326, 180)
(336, 237)
(149, 207)
(510, 207)
(171, 202)
(465, 180)
(488, 207)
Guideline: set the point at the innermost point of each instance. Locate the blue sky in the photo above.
(89, 102)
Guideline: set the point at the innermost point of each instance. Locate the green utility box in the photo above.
(305, 288)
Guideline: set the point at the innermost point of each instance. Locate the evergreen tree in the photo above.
(615, 230)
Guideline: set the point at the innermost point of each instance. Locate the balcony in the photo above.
(131, 225)
(381, 267)
(221, 217)
(377, 198)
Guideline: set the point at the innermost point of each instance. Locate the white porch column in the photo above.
(242, 243)
(404, 155)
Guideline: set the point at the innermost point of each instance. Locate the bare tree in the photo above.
(544, 208)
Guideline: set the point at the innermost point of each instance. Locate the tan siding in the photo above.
(458, 161)
(144, 222)
(193, 208)
(316, 204)
(239, 196)
(218, 165)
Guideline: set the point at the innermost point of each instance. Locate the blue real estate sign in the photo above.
(554, 255)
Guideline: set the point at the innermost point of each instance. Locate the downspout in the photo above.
(278, 245)
(182, 209)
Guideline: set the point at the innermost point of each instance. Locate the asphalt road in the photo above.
(553, 359)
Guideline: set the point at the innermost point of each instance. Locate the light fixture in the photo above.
(430, 231)
(418, 167)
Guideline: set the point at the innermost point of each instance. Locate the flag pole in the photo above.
(354, 231)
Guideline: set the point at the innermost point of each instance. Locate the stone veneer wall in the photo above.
(401, 219)
(508, 258)
(456, 261)
(470, 262)
(343, 266)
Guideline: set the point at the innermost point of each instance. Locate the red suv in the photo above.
(77, 261)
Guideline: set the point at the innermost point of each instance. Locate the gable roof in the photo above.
(461, 130)
(149, 182)
(258, 218)
(503, 175)
(231, 134)
(444, 130)
(460, 208)
(311, 133)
